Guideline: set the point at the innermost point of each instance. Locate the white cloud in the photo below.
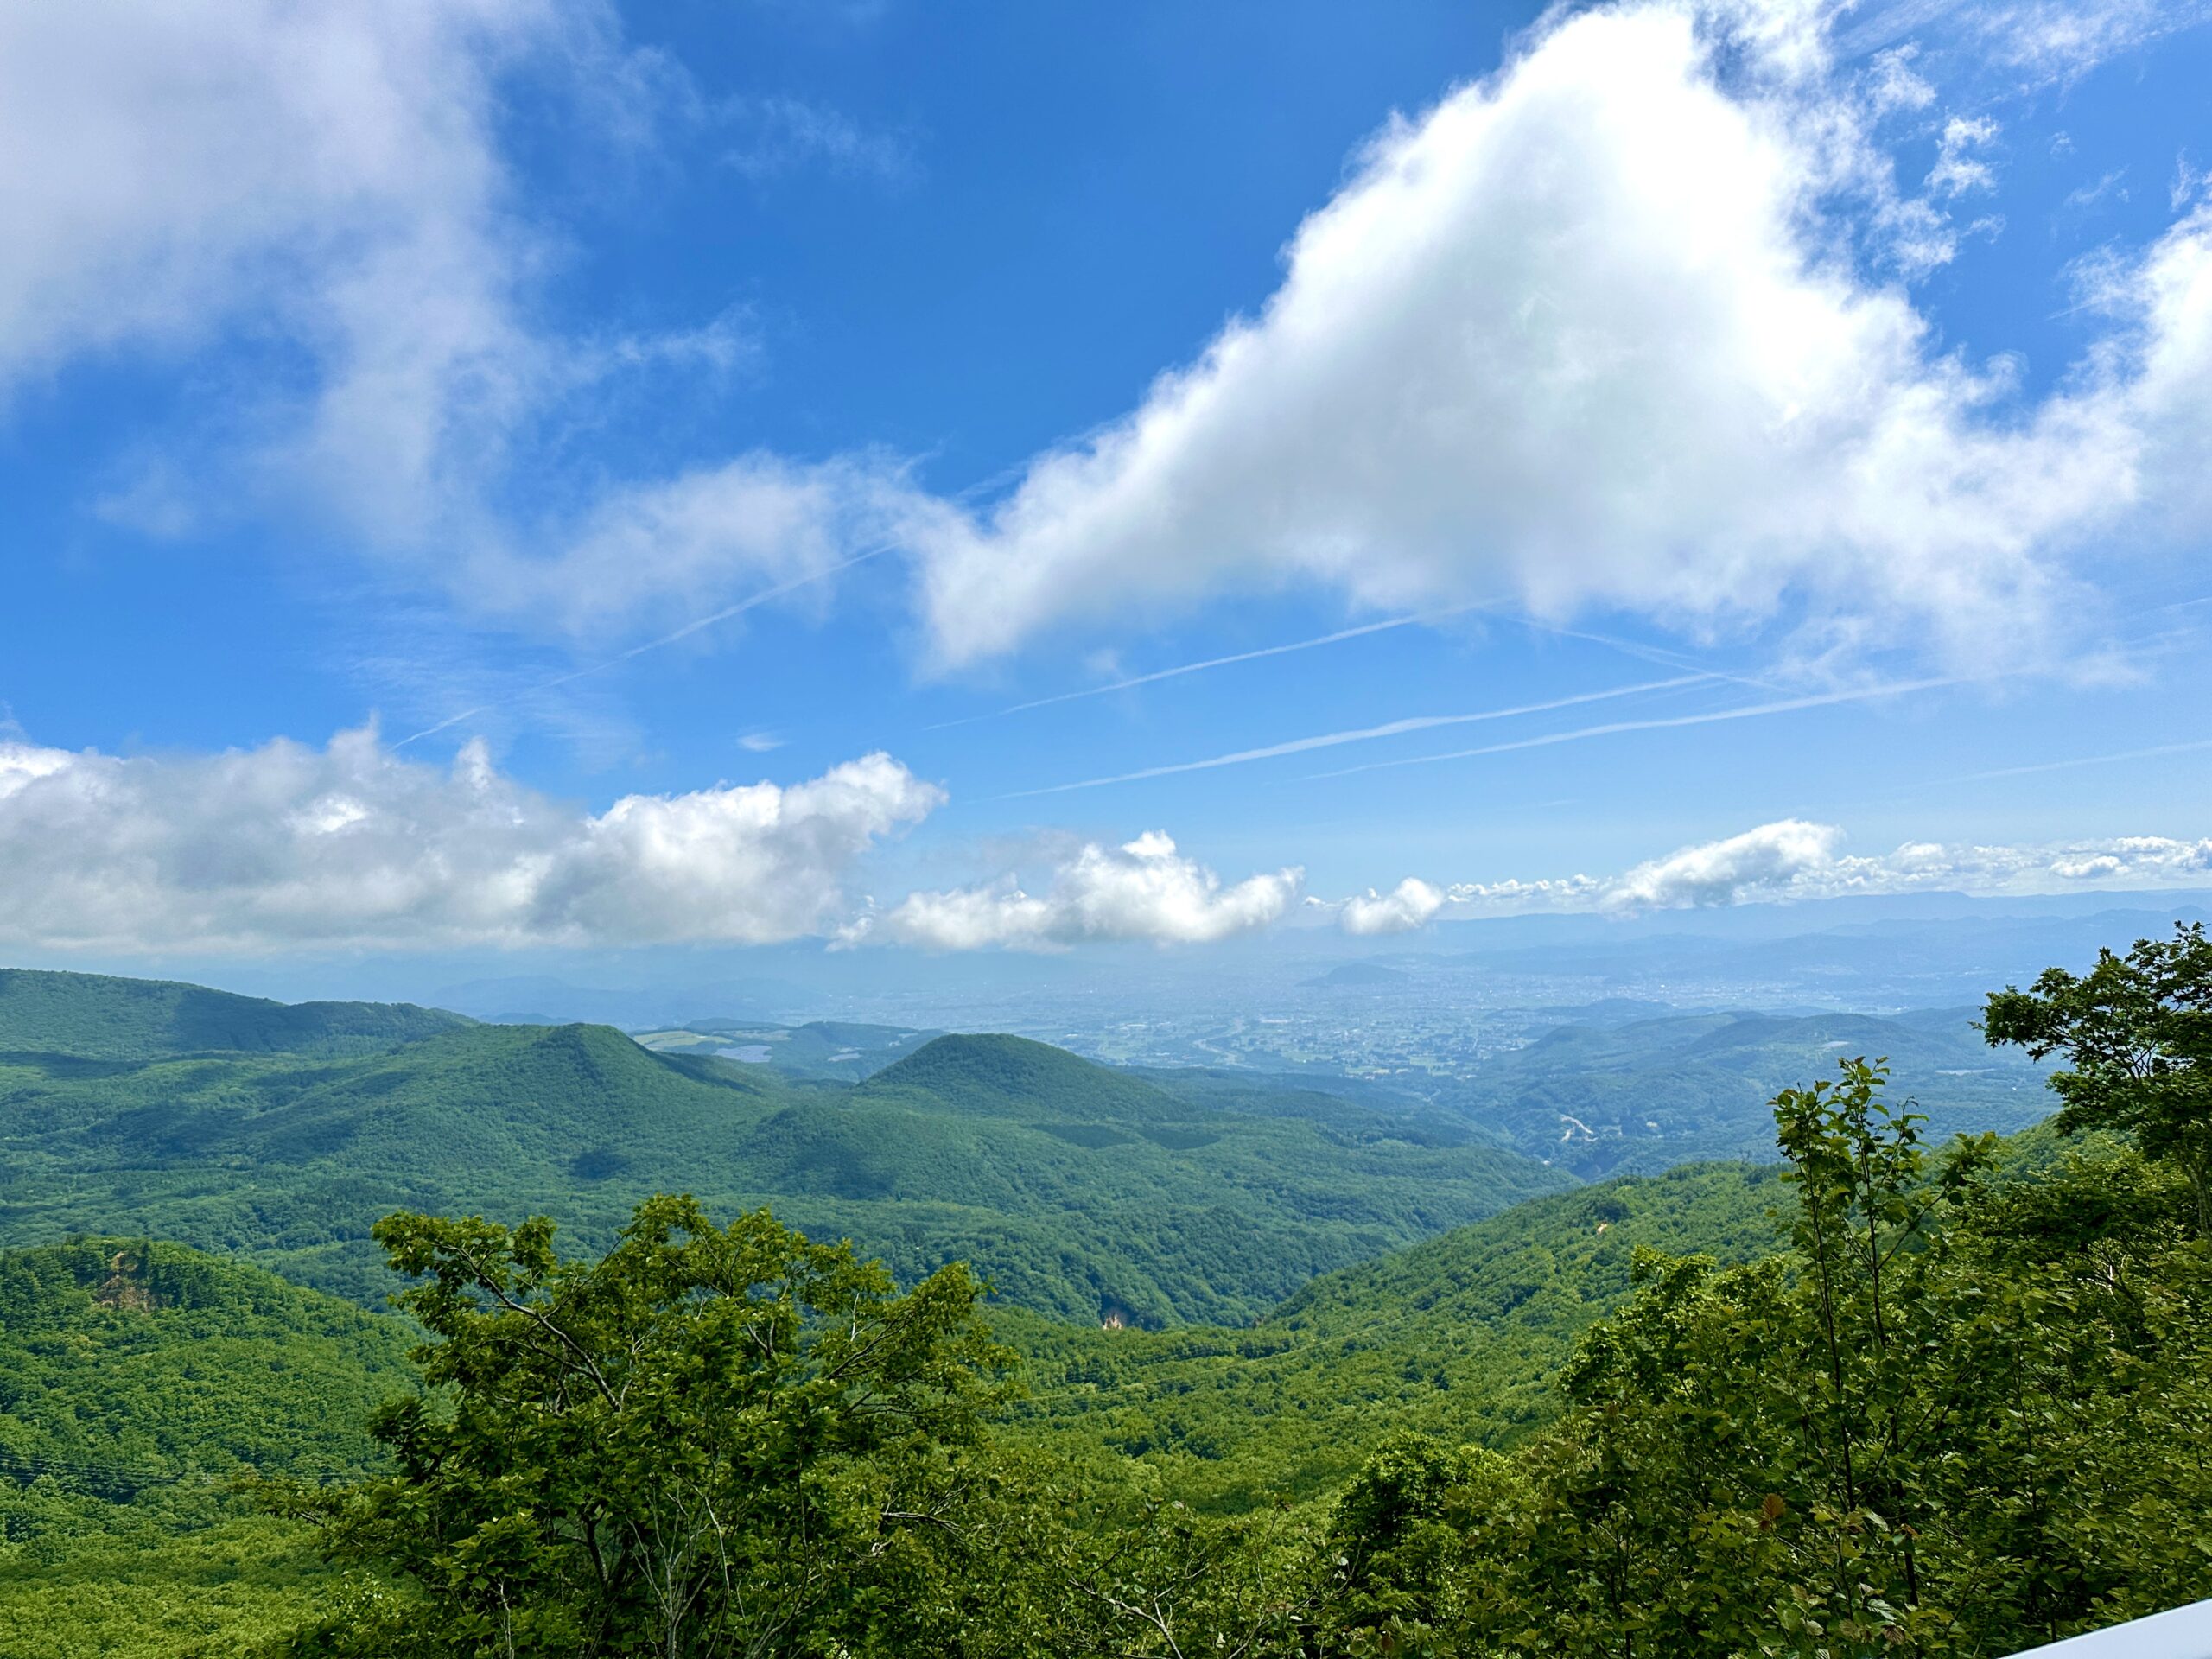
(289, 847)
(778, 135)
(1406, 906)
(677, 546)
(1793, 860)
(2187, 181)
(2165, 353)
(1892, 83)
(1143, 890)
(318, 182)
(1587, 331)
(1960, 166)
(1583, 331)
(313, 207)
(1722, 872)
(2045, 41)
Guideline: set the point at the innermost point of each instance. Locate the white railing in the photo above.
(2184, 1633)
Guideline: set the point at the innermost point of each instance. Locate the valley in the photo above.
(1245, 1286)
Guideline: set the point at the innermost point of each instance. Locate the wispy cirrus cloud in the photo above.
(1335, 636)
(1878, 690)
(773, 136)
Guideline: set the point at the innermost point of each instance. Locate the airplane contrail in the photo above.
(620, 657)
(1744, 712)
(1365, 628)
(1649, 653)
(2082, 760)
(1391, 728)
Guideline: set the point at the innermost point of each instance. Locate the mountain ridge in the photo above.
(1074, 1188)
(107, 1017)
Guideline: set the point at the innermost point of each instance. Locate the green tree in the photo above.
(713, 1441)
(2137, 1034)
(1868, 1233)
(1396, 1539)
(2074, 1473)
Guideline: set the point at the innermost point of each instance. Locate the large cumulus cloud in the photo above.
(1625, 325)
(287, 845)
(1612, 329)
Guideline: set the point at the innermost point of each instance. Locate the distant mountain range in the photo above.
(1361, 975)
(283, 1133)
(1645, 1093)
(97, 1017)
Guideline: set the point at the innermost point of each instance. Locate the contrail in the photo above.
(1892, 688)
(2082, 760)
(1212, 662)
(1330, 740)
(1629, 648)
(1649, 653)
(683, 632)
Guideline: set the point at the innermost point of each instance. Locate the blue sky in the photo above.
(533, 474)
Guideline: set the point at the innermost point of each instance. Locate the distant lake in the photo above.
(751, 1054)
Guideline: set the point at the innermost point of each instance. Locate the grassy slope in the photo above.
(1076, 1190)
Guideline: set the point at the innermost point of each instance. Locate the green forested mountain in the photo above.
(1012, 1077)
(1075, 1190)
(1867, 1400)
(128, 1364)
(95, 1017)
(136, 1379)
(1960, 1409)
(1461, 1334)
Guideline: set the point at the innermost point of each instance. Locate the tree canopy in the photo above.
(2137, 1034)
(711, 1440)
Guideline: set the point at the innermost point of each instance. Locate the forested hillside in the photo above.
(1464, 1334)
(1077, 1191)
(95, 1017)
(1877, 1397)
(1962, 1408)
(124, 1363)
(137, 1380)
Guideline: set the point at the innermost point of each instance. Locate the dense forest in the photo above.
(1078, 1191)
(1885, 1394)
